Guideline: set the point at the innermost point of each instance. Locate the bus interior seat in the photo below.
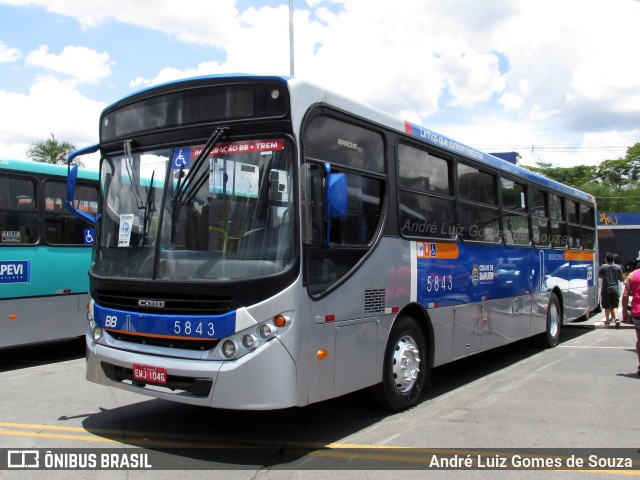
(267, 243)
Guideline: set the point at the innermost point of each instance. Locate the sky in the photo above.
(557, 81)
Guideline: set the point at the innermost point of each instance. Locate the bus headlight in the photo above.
(265, 331)
(249, 341)
(96, 333)
(241, 343)
(229, 348)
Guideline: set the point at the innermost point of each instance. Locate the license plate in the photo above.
(147, 373)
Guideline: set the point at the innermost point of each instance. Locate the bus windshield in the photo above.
(231, 218)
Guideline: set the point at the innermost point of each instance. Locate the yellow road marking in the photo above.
(328, 450)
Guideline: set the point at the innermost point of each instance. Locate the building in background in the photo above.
(619, 233)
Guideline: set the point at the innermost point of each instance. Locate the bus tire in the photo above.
(405, 369)
(552, 335)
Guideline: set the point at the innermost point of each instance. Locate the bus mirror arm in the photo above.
(72, 174)
(336, 198)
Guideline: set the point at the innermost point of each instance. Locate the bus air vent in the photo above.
(374, 300)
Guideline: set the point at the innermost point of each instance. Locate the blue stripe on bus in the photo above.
(200, 327)
(476, 273)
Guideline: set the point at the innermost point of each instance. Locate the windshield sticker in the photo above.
(11, 236)
(89, 236)
(126, 224)
(251, 146)
(181, 158)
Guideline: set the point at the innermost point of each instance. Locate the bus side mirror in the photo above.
(336, 197)
(72, 175)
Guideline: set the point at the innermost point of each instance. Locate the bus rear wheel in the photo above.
(552, 335)
(405, 367)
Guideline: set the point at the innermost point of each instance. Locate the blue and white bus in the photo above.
(265, 243)
(45, 252)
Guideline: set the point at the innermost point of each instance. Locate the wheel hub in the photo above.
(554, 323)
(406, 363)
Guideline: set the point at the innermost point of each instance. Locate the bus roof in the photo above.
(436, 139)
(317, 94)
(44, 168)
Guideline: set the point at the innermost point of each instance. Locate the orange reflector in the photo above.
(13, 316)
(322, 354)
(279, 321)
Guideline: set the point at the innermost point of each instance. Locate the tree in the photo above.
(573, 176)
(50, 150)
(610, 199)
(619, 173)
(633, 153)
(614, 183)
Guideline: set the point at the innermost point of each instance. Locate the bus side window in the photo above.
(61, 226)
(363, 212)
(515, 222)
(427, 207)
(557, 220)
(18, 213)
(573, 225)
(588, 226)
(539, 217)
(478, 215)
(358, 153)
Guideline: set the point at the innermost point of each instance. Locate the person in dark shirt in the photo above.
(632, 314)
(610, 274)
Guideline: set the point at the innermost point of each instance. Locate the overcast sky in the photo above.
(556, 80)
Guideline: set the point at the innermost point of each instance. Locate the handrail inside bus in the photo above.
(72, 174)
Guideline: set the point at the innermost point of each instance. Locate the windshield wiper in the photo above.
(147, 205)
(148, 211)
(135, 184)
(187, 187)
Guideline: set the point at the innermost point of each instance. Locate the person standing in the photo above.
(632, 289)
(618, 261)
(610, 274)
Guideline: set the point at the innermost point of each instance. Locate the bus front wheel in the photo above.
(405, 367)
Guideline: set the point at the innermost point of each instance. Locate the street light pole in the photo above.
(291, 37)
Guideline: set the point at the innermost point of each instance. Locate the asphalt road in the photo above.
(579, 399)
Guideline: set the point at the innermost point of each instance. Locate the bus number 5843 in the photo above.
(197, 329)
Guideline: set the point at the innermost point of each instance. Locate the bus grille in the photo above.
(174, 303)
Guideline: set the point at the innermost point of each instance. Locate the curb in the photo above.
(613, 326)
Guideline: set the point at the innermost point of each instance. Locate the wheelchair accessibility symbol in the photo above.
(181, 157)
(89, 235)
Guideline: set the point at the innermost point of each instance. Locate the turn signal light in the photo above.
(322, 354)
(280, 321)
